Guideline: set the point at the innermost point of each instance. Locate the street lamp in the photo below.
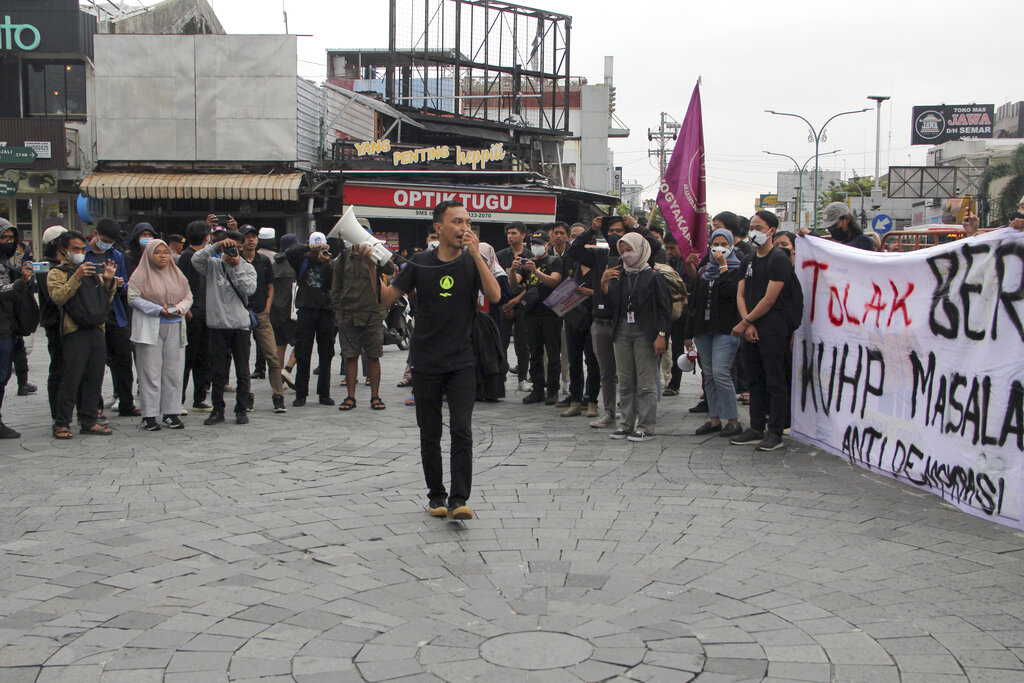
(800, 179)
(876, 191)
(817, 136)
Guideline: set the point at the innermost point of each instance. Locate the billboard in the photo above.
(933, 125)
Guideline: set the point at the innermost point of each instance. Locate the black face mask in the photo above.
(613, 241)
(7, 249)
(786, 251)
(838, 234)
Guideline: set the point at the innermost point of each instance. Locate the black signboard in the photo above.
(41, 27)
(945, 122)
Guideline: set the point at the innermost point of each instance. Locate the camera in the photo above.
(230, 250)
(40, 267)
(221, 219)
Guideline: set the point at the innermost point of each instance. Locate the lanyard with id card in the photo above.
(630, 315)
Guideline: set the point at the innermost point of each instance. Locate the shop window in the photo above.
(54, 89)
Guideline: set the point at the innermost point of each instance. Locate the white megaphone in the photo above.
(348, 228)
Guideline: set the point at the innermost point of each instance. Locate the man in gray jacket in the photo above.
(230, 281)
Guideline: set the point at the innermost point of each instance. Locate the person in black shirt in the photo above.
(765, 331)
(196, 362)
(514, 325)
(844, 227)
(314, 274)
(446, 281)
(578, 343)
(539, 274)
(259, 303)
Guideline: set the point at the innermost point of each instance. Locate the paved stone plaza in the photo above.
(298, 548)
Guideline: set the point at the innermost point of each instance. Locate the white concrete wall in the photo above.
(594, 173)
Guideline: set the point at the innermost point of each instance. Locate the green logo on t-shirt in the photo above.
(447, 282)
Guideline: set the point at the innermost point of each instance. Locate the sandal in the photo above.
(376, 403)
(62, 433)
(348, 404)
(96, 430)
(411, 401)
(670, 392)
(404, 383)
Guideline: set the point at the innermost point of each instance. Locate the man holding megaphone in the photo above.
(443, 362)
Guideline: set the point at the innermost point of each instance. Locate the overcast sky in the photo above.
(811, 58)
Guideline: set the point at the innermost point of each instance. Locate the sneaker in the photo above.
(250, 405)
(748, 436)
(534, 397)
(602, 422)
(203, 406)
(184, 411)
(258, 375)
(708, 428)
(729, 431)
(591, 410)
(620, 434)
(172, 422)
(216, 417)
(111, 402)
(8, 433)
(513, 370)
(551, 400)
(640, 436)
(525, 386)
(279, 404)
(701, 407)
(299, 402)
(461, 511)
(437, 508)
(287, 378)
(241, 418)
(150, 424)
(27, 389)
(326, 401)
(770, 442)
(316, 370)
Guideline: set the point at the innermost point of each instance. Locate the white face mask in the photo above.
(722, 251)
(538, 250)
(77, 259)
(758, 238)
(433, 244)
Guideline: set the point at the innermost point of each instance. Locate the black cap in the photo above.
(246, 229)
(539, 237)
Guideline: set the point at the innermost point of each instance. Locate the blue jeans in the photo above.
(6, 363)
(715, 353)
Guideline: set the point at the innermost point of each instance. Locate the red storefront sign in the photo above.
(484, 204)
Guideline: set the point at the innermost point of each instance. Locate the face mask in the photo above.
(538, 250)
(143, 241)
(613, 241)
(101, 245)
(758, 238)
(77, 259)
(433, 244)
(8, 249)
(631, 259)
(786, 251)
(837, 233)
(722, 251)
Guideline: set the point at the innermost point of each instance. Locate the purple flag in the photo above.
(682, 195)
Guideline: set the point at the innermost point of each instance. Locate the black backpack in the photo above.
(23, 309)
(90, 305)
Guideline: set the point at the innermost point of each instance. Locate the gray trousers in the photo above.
(637, 368)
(601, 337)
(161, 369)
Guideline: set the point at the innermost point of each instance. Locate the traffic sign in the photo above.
(17, 155)
(881, 224)
(8, 188)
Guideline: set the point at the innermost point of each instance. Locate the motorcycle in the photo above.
(398, 324)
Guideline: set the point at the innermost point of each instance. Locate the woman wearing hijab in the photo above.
(642, 311)
(710, 318)
(160, 294)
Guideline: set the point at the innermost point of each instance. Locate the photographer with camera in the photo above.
(230, 280)
(539, 274)
(314, 274)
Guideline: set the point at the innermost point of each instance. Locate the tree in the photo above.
(1005, 204)
(853, 189)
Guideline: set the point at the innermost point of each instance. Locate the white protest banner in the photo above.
(913, 365)
(565, 297)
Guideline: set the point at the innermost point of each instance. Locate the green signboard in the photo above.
(17, 155)
(8, 188)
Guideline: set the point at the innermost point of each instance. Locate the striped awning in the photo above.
(281, 187)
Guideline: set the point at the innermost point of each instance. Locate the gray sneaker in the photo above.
(603, 422)
(749, 436)
(770, 442)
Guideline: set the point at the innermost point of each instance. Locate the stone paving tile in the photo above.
(202, 556)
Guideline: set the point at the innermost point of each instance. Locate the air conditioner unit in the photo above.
(72, 149)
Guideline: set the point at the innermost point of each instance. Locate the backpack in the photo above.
(24, 311)
(794, 302)
(90, 305)
(676, 288)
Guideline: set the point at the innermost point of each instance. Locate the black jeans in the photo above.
(314, 324)
(197, 361)
(460, 388)
(119, 360)
(6, 363)
(544, 333)
(20, 361)
(678, 348)
(580, 348)
(55, 345)
(765, 363)
(226, 345)
(85, 352)
(515, 329)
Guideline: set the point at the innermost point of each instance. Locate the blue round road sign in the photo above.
(881, 224)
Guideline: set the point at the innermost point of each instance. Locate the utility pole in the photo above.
(876, 191)
(667, 130)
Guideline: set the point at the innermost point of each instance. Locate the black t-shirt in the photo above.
(759, 271)
(446, 296)
(264, 278)
(506, 257)
(537, 291)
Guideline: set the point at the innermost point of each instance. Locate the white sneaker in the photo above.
(525, 386)
(109, 403)
(183, 411)
(603, 422)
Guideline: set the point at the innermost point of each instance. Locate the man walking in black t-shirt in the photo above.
(443, 363)
(765, 334)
